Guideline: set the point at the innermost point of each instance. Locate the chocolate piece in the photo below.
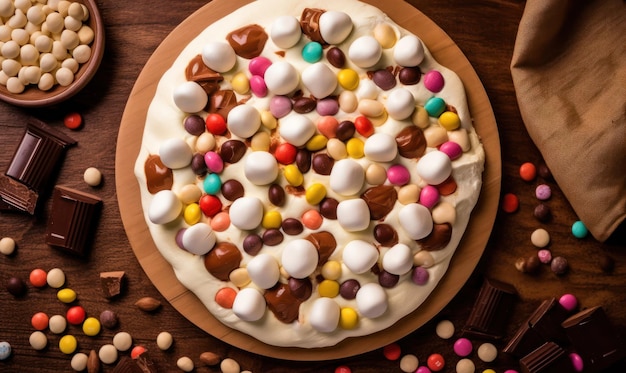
(198, 71)
(438, 238)
(142, 364)
(72, 219)
(384, 79)
(310, 24)
(232, 151)
(221, 102)
(380, 200)
(158, 176)
(283, 303)
(232, 189)
(543, 325)
(32, 166)
(323, 164)
(410, 75)
(411, 142)
(222, 260)
(548, 358)
(146, 365)
(111, 283)
(595, 339)
(325, 243)
(385, 234)
(301, 288)
(248, 41)
(491, 310)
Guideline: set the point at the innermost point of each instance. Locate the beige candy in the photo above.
(408, 194)
(185, 364)
(420, 117)
(164, 340)
(190, 193)
(423, 259)
(205, 142)
(371, 108)
(444, 212)
(435, 136)
(385, 34)
(348, 101)
(239, 277)
(336, 149)
(46, 82)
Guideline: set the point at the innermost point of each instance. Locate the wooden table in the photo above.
(484, 30)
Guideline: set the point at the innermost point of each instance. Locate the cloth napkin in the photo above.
(569, 72)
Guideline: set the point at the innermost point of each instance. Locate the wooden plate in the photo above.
(159, 270)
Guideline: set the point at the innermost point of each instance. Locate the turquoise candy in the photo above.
(579, 230)
(435, 106)
(212, 184)
(312, 52)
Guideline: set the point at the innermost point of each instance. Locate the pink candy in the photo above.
(429, 196)
(258, 65)
(398, 175)
(452, 149)
(577, 362)
(433, 81)
(257, 86)
(462, 347)
(568, 301)
(545, 256)
(213, 162)
(327, 106)
(280, 106)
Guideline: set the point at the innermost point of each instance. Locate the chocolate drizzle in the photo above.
(438, 238)
(380, 200)
(158, 176)
(325, 243)
(411, 142)
(310, 24)
(283, 304)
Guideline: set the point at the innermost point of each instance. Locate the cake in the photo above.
(309, 171)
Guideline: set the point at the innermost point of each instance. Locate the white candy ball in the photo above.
(324, 315)
(347, 177)
(371, 300)
(264, 271)
(365, 52)
(296, 129)
(260, 168)
(249, 304)
(164, 208)
(335, 26)
(408, 51)
(381, 147)
(319, 79)
(219, 56)
(400, 104)
(434, 167)
(281, 78)
(368, 90)
(244, 121)
(175, 153)
(353, 215)
(359, 256)
(285, 31)
(246, 213)
(300, 258)
(416, 221)
(199, 239)
(190, 97)
(398, 260)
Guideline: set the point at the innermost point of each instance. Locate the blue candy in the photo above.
(312, 52)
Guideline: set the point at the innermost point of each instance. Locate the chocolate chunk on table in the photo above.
(111, 283)
(548, 358)
(491, 310)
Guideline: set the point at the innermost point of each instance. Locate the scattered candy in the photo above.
(542, 213)
(436, 362)
(92, 176)
(343, 369)
(122, 341)
(68, 344)
(559, 265)
(545, 256)
(38, 340)
(487, 352)
(409, 363)
(543, 192)
(579, 230)
(577, 362)
(164, 340)
(540, 238)
(528, 171)
(7, 245)
(185, 364)
(137, 351)
(38, 278)
(55, 278)
(91, 326)
(465, 366)
(392, 351)
(108, 353)
(463, 347)
(79, 361)
(75, 315)
(569, 302)
(73, 121)
(16, 287)
(229, 365)
(39, 321)
(108, 319)
(445, 329)
(510, 203)
(57, 324)
(148, 304)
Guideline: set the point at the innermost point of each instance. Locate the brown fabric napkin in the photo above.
(569, 72)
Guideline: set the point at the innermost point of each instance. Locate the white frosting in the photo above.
(378, 308)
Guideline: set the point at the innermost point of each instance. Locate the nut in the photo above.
(148, 304)
(93, 362)
(210, 358)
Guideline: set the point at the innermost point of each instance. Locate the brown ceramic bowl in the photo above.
(34, 97)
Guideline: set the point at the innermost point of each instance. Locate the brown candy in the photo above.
(108, 319)
(283, 304)
(198, 71)
(438, 238)
(309, 22)
(16, 286)
(385, 234)
(272, 237)
(232, 189)
(222, 260)
(345, 130)
(349, 288)
(292, 226)
(411, 142)
(328, 208)
(276, 195)
(232, 151)
(387, 280)
(198, 165)
(194, 124)
(248, 41)
(252, 244)
(323, 164)
(325, 243)
(158, 176)
(336, 57)
(301, 288)
(303, 160)
(410, 75)
(304, 105)
(380, 200)
(384, 79)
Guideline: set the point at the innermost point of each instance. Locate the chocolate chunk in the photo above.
(310, 24)
(548, 358)
(158, 176)
(380, 200)
(248, 41)
(438, 238)
(111, 283)
(127, 365)
(491, 310)
(198, 71)
(385, 234)
(232, 151)
(336, 57)
(325, 243)
(411, 142)
(32, 167)
(222, 260)
(410, 75)
(595, 339)
(221, 102)
(301, 288)
(232, 189)
(384, 79)
(282, 302)
(72, 219)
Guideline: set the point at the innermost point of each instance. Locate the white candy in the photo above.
(371, 300)
(249, 304)
(175, 153)
(353, 215)
(359, 256)
(260, 168)
(300, 258)
(246, 213)
(365, 52)
(219, 56)
(190, 97)
(199, 239)
(416, 221)
(335, 26)
(281, 78)
(319, 79)
(165, 207)
(398, 260)
(400, 104)
(285, 31)
(296, 129)
(347, 177)
(408, 51)
(244, 121)
(264, 271)
(324, 315)
(434, 167)
(381, 147)
(367, 90)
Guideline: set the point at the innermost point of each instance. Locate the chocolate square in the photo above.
(491, 310)
(111, 283)
(72, 219)
(548, 358)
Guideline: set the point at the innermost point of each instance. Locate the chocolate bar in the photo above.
(72, 218)
(548, 358)
(32, 166)
(543, 325)
(594, 338)
(491, 310)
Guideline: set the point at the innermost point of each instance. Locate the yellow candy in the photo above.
(348, 79)
(91, 326)
(331, 270)
(293, 175)
(348, 318)
(66, 295)
(240, 83)
(317, 142)
(354, 146)
(192, 213)
(315, 193)
(260, 141)
(68, 344)
(420, 117)
(268, 120)
(272, 219)
(328, 288)
(449, 120)
(489, 371)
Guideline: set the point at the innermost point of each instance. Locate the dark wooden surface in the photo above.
(484, 30)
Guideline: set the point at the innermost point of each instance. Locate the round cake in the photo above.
(308, 171)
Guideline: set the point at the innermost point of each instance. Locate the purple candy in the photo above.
(420, 276)
(543, 192)
(280, 106)
(577, 362)
(327, 106)
(179, 238)
(433, 81)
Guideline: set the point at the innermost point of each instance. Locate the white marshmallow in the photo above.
(285, 31)
(249, 304)
(400, 104)
(164, 208)
(199, 239)
(175, 153)
(353, 215)
(260, 168)
(398, 260)
(300, 258)
(381, 147)
(416, 221)
(264, 270)
(434, 167)
(335, 26)
(347, 177)
(324, 315)
(319, 79)
(219, 56)
(365, 51)
(244, 121)
(296, 129)
(246, 213)
(408, 51)
(359, 256)
(371, 300)
(190, 97)
(281, 78)
(367, 90)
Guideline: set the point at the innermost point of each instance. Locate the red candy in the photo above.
(364, 126)
(435, 362)
(528, 171)
(39, 321)
(75, 315)
(210, 205)
(285, 153)
(225, 297)
(38, 278)
(73, 121)
(215, 124)
(510, 203)
(392, 351)
(137, 351)
(343, 369)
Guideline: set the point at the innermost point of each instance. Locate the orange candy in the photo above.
(73, 121)
(220, 222)
(327, 125)
(38, 277)
(528, 171)
(312, 219)
(510, 203)
(39, 321)
(225, 297)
